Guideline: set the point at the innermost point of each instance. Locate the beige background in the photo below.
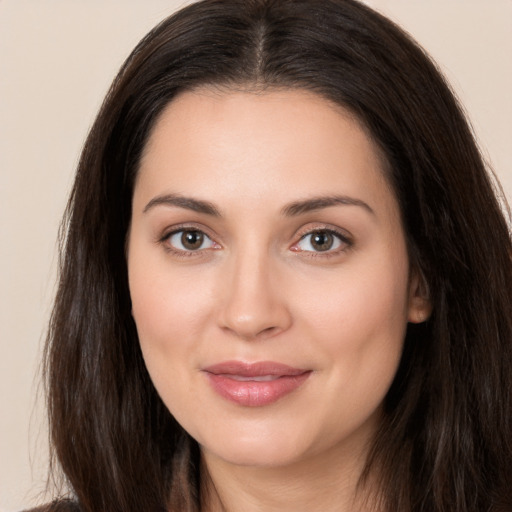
(57, 58)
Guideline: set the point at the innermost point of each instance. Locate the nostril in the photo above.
(269, 331)
(250, 307)
(252, 334)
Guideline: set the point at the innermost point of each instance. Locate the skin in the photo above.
(259, 290)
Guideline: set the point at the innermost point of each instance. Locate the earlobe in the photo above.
(420, 305)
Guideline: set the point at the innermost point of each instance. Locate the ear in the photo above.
(420, 306)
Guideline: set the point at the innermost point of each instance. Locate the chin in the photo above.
(258, 456)
(258, 446)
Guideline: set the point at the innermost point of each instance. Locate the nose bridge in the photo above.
(253, 306)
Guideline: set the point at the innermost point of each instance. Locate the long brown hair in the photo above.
(445, 443)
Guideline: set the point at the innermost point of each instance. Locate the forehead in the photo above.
(259, 145)
(264, 114)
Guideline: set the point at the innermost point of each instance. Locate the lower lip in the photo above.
(251, 393)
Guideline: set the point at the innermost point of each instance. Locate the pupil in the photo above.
(322, 241)
(192, 239)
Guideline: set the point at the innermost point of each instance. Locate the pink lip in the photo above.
(254, 384)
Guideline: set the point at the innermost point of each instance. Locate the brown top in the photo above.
(57, 506)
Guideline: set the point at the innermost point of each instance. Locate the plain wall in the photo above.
(57, 58)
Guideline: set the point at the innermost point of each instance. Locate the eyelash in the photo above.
(180, 253)
(345, 241)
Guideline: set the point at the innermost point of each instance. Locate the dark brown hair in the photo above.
(445, 443)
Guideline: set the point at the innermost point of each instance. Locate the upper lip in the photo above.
(257, 369)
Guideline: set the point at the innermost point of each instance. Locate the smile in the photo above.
(256, 384)
(262, 378)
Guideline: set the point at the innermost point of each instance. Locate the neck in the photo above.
(330, 482)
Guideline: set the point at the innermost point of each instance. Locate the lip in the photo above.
(254, 384)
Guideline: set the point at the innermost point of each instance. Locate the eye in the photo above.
(321, 240)
(190, 240)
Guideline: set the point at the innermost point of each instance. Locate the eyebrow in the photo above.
(291, 210)
(187, 203)
(318, 203)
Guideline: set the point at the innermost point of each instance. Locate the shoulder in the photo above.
(57, 506)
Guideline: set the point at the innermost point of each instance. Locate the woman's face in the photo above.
(269, 275)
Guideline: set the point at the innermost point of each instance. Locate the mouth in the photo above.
(254, 384)
(261, 378)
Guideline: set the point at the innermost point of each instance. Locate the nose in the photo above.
(253, 304)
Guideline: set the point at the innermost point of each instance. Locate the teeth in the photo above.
(261, 378)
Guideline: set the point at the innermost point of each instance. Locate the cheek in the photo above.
(169, 308)
(168, 314)
(166, 298)
(171, 311)
(358, 322)
(359, 326)
(355, 306)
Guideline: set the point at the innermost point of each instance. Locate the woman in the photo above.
(286, 282)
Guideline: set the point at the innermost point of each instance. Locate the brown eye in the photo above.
(322, 241)
(190, 240)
